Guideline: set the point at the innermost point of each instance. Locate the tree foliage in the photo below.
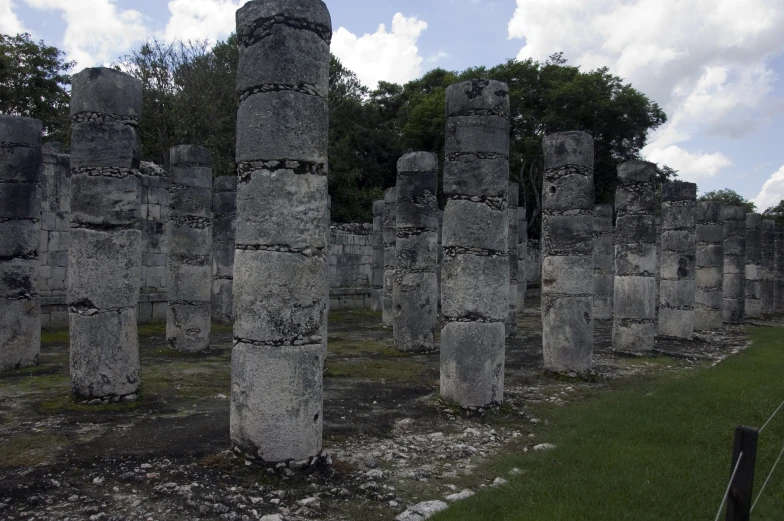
(34, 83)
(776, 213)
(729, 197)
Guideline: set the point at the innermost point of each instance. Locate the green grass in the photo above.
(54, 336)
(395, 370)
(655, 449)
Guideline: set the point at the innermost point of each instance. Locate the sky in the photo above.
(715, 66)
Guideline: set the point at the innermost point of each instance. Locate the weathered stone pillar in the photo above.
(511, 320)
(190, 249)
(768, 264)
(20, 235)
(709, 295)
(753, 265)
(475, 273)
(734, 287)
(634, 295)
(280, 265)
(440, 253)
(106, 240)
(522, 252)
(390, 255)
(678, 253)
(779, 270)
(415, 291)
(603, 262)
(658, 263)
(567, 252)
(377, 269)
(224, 230)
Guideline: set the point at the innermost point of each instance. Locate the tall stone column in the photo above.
(106, 239)
(567, 252)
(20, 236)
(440, 254)
(511, 320)
(768, 264)
(475, 273)
(753, 265)
(280, 265)
(603, 262)
(522, 252)
(709, 295)
(188, 316)
(224, 230)
(779, 269)
(734, 286)
(634, 296)
(415, 291)
(678, 255)
(377, 269)
(390, 255)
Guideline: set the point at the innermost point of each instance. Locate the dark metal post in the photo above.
(739, 498)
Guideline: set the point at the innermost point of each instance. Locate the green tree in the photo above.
(729, 198)
(776, 213)
(34, 82)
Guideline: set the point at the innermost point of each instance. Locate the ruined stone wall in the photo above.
(55, 236)
(350, 266)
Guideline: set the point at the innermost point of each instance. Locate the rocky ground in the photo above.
(392, 443)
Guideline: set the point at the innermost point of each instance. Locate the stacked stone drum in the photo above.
(709, 293)
(280, 263)
(475, 270)
(567, 252)
(390, 255)
(188, 315)
(377, 267)
(753, 265)
(224, 226)
(734, 287)
(768, 264)
(678, 252)
(415, 291)
(603, 263)
(634, 300)
(106, 238)
(20, 225)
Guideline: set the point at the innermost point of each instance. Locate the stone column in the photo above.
(753, 265)
(658, 263)
(390, 254)
(734, 286)
(567, 252)
(603, 262)
(511, 319)
(415, 291)
(779, 269)
(768, 264)
(522, 252)
(190, 249)
(440, 254)
(377, 269)
(678, 253)
(709, 295)
(20, 235)
(280, 264)
(224, 230)
(634, 295)
(475, 272)
(106, 239)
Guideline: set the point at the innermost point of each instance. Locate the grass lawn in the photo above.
(657, 449)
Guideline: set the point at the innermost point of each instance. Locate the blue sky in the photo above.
(715, 66)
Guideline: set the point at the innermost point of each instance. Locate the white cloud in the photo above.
(772, 191)
(703, 61)
(9, 23)
(97, 30)
(390, 56)
(201, 19)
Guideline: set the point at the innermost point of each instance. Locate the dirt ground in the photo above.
(392, 442)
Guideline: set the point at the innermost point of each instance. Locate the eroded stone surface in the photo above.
(389, 234)
(377, 267)
(635, 289)
(753, 265)
(768, 265)
(476, 272)
(709, 280)
(678, 257)
(603, 262)
(281, 290)
(224, 230)
(567, 252)
(20, 224)
(734, 281)
(511, 318)
(415, 291)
